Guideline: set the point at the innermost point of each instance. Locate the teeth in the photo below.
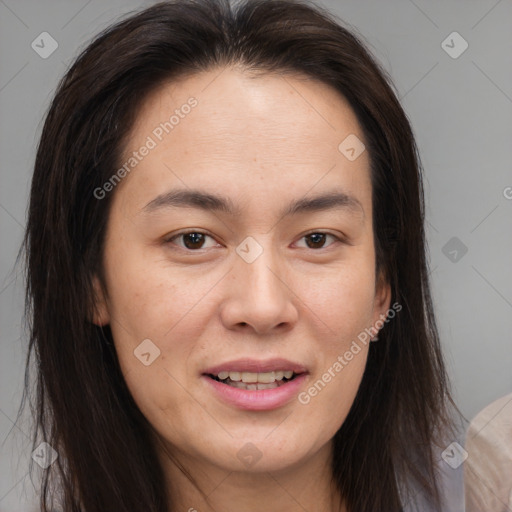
(249, 377)
(267, 378)
(254, 378)
(254, 387)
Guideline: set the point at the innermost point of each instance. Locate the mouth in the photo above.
(254, 381)
(250, 384)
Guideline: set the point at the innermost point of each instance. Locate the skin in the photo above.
(263, 142)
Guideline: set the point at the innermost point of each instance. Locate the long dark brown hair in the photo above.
(393, 435)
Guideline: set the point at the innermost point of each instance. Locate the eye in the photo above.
(192, 240)
(317, 239)
(195, 240)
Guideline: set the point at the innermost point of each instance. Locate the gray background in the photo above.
(461, 112)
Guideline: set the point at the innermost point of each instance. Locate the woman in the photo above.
(228, 290)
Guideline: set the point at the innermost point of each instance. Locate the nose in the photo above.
(259, 296)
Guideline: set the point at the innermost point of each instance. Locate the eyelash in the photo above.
(183, 233)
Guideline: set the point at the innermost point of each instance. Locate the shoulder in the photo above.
(489, 462)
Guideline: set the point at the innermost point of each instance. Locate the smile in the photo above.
(254, 385)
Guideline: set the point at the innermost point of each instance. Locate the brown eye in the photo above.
(192, 240)
(317, 240)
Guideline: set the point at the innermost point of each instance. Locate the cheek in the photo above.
(342, 307)
(149, 298)
(151, 317)
(342, 302)
(149, 301)
(162, 398)
(332, 388)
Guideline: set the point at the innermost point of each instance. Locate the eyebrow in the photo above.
(190, 198)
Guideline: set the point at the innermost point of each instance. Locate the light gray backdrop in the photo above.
(459, 101)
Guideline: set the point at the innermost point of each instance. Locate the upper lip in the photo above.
(256, 366)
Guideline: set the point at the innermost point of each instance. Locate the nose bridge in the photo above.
(258, 268)
(260, 298)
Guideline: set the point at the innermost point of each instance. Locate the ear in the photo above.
(381, 302)
(101, 315)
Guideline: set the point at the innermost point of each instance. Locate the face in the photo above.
(259, 281)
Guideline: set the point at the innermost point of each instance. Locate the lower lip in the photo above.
(257, 400)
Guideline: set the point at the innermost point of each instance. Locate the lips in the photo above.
(256, 385)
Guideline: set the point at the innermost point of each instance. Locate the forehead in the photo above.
(230, 101)
(231, 131)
